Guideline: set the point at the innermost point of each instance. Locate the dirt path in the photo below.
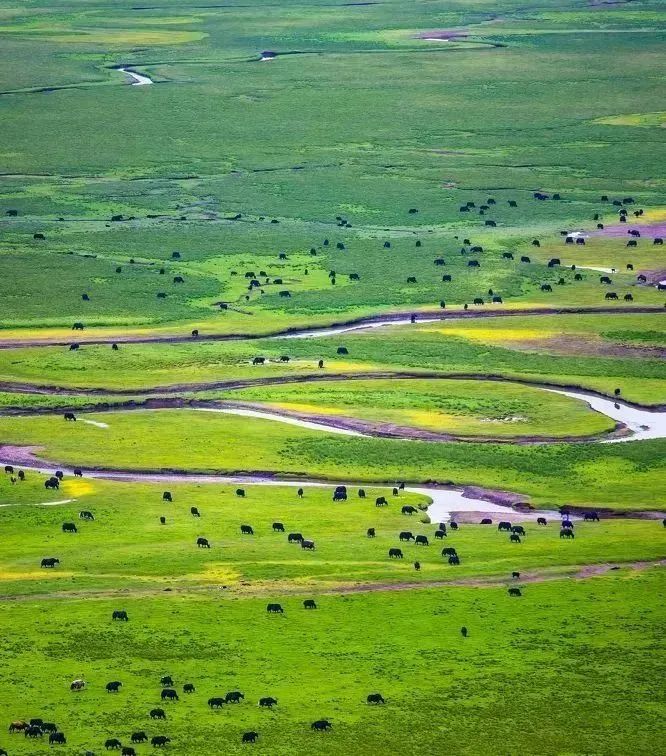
(373, 321)
(574, 572)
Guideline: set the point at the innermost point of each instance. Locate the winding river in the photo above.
(138, 80)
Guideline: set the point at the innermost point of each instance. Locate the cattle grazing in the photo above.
(546, 287)
(567, 524)
(278, 527)
(406, 535)
(536, 243)
(57, 737)
(507, 255)
(578, 277)
(246, 530)
(611, 295)
(591, 517)
(641, 278)
(33, 731)
(21, 475)
(285, 293)
(234, 696)
(258, 360)
(163, 520)
(157, 741)
(340, 493)
(59, 474)
(408, 510)
(541, 521)
(454, 559)
(370, 532)
(525, 259)
(18, 726)
(380, 501)
(166, 681)
(439, 534)
(375, 698)
(113, 687)
(188, 688)
(139, 737)
(52, 483)
(50, 562)
(449, 551)
(342, 350)
(240, 492)
(321, 725)
(128, 751)
(411, 279)
(268, 702)
(112, 744)
(515, 575)
(473, 264)
(453, 525)
(515, 592)
(73, 347)
(580, 241)
(169, 694)
(84, 514)
(478, 301)
(395, 554)
(354, 277)
(566, 533)
(309, 604)
(320, 364)
(158, 714)
(294, 538)
(657, 240)
(216, 702)
(250, 737)
(504, 526)
(486, 521)
(274, 609)
(77, 685)
(553, 262)
(628, 298)
(446, 278)
(69, 527)
(166, 496)
(70, 416)
(78, 327)
(300, 493)
(309, 545)
(514, 538)
(203, 543)
(605, 280)
(195, 512)
(421, 540)
(518, 529)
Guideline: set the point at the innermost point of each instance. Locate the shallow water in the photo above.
(139, 79)
(644, 424)
(282, 419)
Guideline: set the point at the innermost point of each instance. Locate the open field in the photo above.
(466, 408)
(198, 202)
(615, 476)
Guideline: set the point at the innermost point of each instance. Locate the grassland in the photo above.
(337, 172)
(466, 408)
(615, 476)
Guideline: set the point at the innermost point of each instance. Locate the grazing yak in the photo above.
(375, 698)
(274, 609)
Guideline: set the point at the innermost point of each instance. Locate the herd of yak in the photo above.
(257, 280)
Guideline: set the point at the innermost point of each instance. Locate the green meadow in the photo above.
(295, 166)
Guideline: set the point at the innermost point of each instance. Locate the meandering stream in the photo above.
(139, 80)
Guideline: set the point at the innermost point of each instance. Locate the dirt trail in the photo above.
(245, 589)
(373, 321)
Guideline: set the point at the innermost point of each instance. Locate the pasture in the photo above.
(196, 204)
